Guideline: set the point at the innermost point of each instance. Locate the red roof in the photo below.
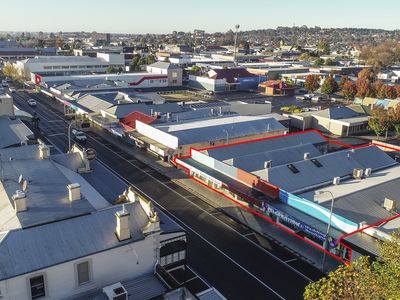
(129, 121)
(230, 74)
(277, 84)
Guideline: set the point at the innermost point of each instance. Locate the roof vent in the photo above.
(368, 172)
(336, 180)
(268, 164)
(307, 155)
(358, 173)
(389, 204)
(122, 230)
(116, 292)
(74, 191)
(19, 199)
(44, 151)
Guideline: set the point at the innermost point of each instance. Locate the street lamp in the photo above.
(329, 224)
(69, 134)
(236, 34)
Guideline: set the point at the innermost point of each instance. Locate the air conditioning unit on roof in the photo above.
(116, 292)
(358, 173)
(389, 204)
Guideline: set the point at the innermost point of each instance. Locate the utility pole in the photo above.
(235, 50)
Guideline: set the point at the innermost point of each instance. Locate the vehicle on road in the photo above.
(78, 136)
(308, 96)
(32, 102)
(320, 98)
(12, 90)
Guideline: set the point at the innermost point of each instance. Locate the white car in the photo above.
(32, 102)
(12, 90)
(79, 135)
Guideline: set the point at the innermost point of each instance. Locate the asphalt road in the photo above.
(218, 248)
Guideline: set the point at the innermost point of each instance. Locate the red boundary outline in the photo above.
(270, 220)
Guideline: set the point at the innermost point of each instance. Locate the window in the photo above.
(174, 74)
(37, 287)
(293, 168)
(316, 162)
(82, 270)
(174, 81)
(151, 81)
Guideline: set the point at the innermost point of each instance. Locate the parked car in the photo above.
(32, 102)
(12, 90)
(78, 136)
(308, 96)
(4, 84)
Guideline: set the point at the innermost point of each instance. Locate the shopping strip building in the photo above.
(280, 177)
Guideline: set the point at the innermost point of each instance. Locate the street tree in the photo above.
(353, 282)
(312, 83)
(364, 88)
(343, 80)
(363, 279)
(349, 90)
(390, 92)
(11, 71)
(380, 120)
(329, 86)
(367, 74)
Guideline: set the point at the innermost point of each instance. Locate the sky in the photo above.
(160, 16)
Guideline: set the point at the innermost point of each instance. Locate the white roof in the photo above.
(211, 122)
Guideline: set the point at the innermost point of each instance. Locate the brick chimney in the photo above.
(122, 230)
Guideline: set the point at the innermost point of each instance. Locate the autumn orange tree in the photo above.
(312, 83)
(349, 90)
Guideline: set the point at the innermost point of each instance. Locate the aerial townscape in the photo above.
(212, 150)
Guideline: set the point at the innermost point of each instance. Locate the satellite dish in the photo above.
(20, 179)
(24, 185)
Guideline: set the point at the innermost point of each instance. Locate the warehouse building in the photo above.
(291, 179)
(176, 138)
(67, 65)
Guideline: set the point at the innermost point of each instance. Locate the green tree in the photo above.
(323, 48)
(380, 120)
(111, 69)
(382, 55)
(353, 282)
(11, 71)
(304, 57)
(319, 62)
(387, 266)
(349, 90)
(363, 279)
(195, 70)
(329, 62)
(329, 86)
(312, 83)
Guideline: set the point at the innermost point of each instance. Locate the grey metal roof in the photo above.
(121, 110)
(340, 163)
(13, 132)
(255, 162)
(163, 65)
(269, 144)
(141, 288)
(21, 251)
(226, 131)
(367, 205)
(47, 194)
(339, 112)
